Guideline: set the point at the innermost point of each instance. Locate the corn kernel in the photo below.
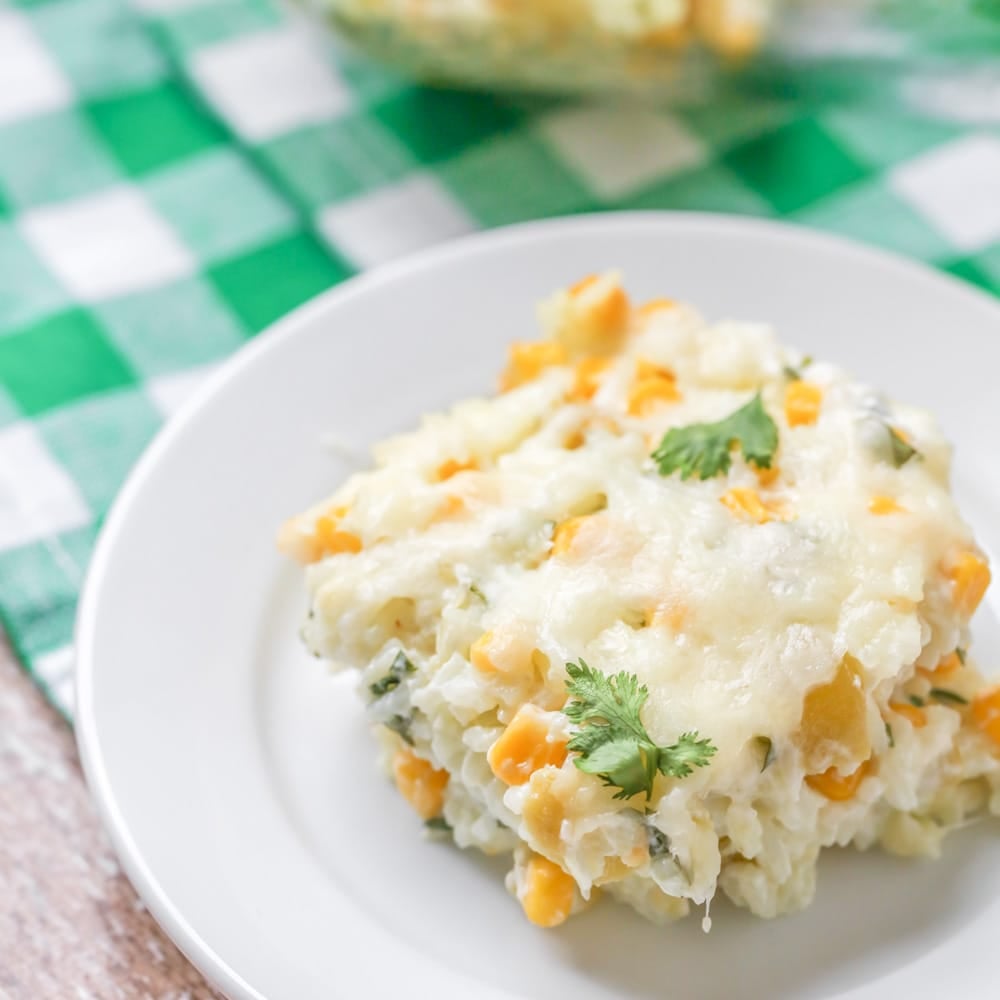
(525, 746)
(970, 575)
(591, 317)
(747, 504)
(834, 717)
(565, 533)
(548, 893)
(655, 306)
(451, 467)
(650, 392)
(332, 541)
(529, 360)
(882, 505)
(914, 713)
(767, 477)
(420, 783)
(802, 403)
(839, 787)
(947, 665)
(588, 377)
(985, 713)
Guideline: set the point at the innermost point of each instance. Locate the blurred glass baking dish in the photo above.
(676, 49)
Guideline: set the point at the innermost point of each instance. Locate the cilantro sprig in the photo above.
(704, 449)
(611, 741)
(398, 669)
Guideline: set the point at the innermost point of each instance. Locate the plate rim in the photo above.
(154, 896)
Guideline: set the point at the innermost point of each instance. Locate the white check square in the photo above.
(106, 244)
(48, 505)
(31, 83)
(393, 221)
(956, 187)
(617, 150)
(270, 82)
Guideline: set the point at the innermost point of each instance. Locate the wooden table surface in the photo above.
(70, 924)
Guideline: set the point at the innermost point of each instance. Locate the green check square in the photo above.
(101, 45)
(151, 128)
(98, 439)
(8, 411)
(711, 188)
(882, 138)
(794, 165)
(40, 582)
(870, 212)
(339, 159)
(218, 204)
(74, 354)
(27, 289)
(969, 270)
(535, 182)
(53, 157)
(263, 285)
(168, 329)
(987, 262)
(437, 124)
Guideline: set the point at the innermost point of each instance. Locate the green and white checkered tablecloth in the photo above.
(177, 174)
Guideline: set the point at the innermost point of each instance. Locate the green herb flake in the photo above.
(438, 825)
(401, 726)
(915, 699)
(658, 841)
(961, 654)
(889, 736)
(613, 744)
(767, 753)
(951, 697)
(401, 666)
(703, 450)
(794, 374)
(477, 593)
(901, 451)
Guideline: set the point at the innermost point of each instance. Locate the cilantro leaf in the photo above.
(704, 449)
(400, 667)
(900, 450)
(943, 694)
(612, 742)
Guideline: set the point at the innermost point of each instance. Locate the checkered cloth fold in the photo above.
(174, 177)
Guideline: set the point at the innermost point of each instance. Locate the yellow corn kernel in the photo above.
(420, 783)
(834, 726)
(480, 656)
(671, 614)
(525, 746)
(650, 392)
(916, 715)
(725, 29)
(588, 377)
(985, 713)
(767, 477)
(654, 306)
(504, 651)
(970, 575)
(946, 665)
(591, 317)
(451, 507)
(882, 505)
(802, 402)
(565, 533)
(451, 467)
(650, 369)
(839, 787)
(548, 893)
(330, 540)
(747, 504)
(528, 360)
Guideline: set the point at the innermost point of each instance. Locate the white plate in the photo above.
(238, 780)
